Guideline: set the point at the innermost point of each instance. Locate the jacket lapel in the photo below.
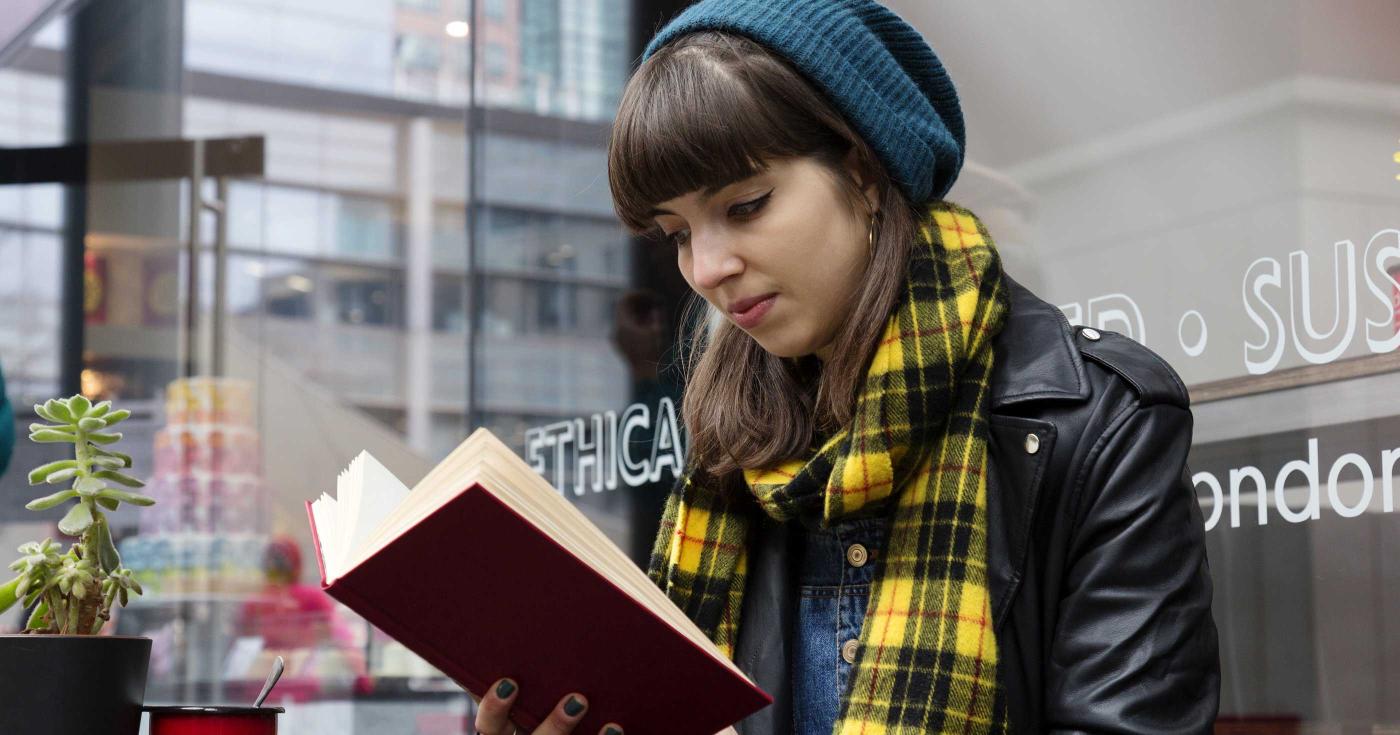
(1035, 360)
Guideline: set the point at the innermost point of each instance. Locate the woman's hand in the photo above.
(493, 713)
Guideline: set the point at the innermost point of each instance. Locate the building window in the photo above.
(413, 51)
(368, 300)
(497, 61)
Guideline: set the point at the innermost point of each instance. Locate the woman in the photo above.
(915, 500)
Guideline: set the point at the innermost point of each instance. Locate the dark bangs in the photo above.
(703, 112)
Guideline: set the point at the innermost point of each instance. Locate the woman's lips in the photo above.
(750, 317)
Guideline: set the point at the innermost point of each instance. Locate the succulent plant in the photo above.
(76, 590)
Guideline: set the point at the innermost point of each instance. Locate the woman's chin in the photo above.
(784, 349)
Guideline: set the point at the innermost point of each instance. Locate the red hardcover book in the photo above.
(485, 571)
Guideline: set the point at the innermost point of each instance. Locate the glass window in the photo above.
(413, 51)
(380, 293)
(497, 60)
(449, 304)
(1218, 184)
(367, 297)
(366, 228)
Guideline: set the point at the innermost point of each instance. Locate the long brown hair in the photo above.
(707, 110)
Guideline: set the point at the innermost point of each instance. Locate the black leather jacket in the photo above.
(1101, 592)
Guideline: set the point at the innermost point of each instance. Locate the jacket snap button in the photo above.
(1032, 443)
(848, 651)
(856, 555)
(1090, 334)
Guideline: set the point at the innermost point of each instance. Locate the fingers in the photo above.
(566, 714)
(493, 711)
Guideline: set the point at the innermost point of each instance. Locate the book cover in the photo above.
(480, 593)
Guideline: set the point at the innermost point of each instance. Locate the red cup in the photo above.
(212, 720)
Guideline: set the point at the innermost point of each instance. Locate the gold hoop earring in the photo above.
(870, 239)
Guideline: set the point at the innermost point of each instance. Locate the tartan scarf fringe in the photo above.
(927, 656)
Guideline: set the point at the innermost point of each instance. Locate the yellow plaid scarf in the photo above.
(927, 658)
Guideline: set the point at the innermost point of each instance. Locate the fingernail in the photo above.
(612, 731)
(573, 707)
(505, 689)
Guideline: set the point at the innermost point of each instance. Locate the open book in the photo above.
(485, 571)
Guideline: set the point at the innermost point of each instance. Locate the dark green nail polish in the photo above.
(612, 731)
(505, 689)
(573, 707)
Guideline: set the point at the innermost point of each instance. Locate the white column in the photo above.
(418, 196)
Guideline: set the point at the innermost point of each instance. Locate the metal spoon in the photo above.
(277, 667)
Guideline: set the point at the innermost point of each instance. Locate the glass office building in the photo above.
(380, 224)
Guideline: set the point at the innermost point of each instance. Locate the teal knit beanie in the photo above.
(876, 69)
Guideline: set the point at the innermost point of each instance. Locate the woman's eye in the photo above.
(676, 238)
(750, 207)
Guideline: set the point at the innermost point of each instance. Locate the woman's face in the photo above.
(789, 232)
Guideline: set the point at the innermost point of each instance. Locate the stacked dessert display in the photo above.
(206, 533)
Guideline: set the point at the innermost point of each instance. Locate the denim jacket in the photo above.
(836, 568)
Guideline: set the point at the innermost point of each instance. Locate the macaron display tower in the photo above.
(206, 533)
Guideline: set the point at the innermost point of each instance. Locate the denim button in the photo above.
(848, 651)
(856, 555)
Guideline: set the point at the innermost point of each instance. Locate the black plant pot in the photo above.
(72, 684)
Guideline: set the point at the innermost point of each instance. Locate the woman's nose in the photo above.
(713, 259)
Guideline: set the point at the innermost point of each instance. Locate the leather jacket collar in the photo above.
(1045, 364)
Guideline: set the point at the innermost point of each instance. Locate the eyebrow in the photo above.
(706, 195)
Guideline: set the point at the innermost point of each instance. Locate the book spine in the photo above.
(403, 634)
(316, 542)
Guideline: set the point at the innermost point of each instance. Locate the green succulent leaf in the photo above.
(106, 549)
(126, 497)
(38, 474)
(78, 405)
(49, 501)
(52, 436)
(42, 427)
(108, 462)
(99, 410)
(108, 503)
(77, 520)
(62, 476)
(117, 417)
(72, 626)
(101, 438)
(125, 458)
(36, 619)
(119, 478)
(10, 593)
(34, 590)
(59, 411)
(89, 486)
(43, 413)
(87, 424)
